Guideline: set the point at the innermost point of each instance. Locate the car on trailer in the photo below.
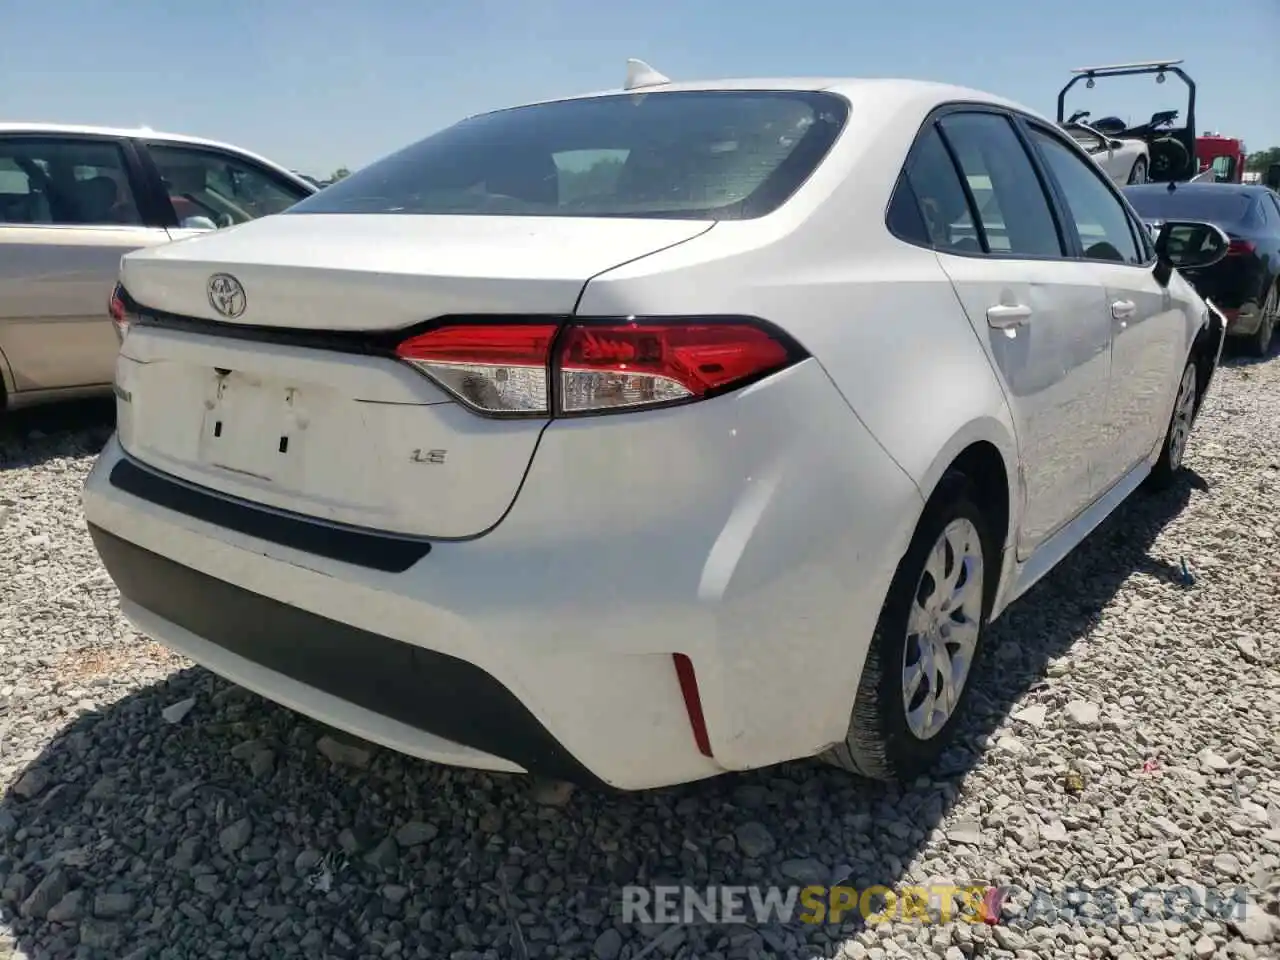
(1159, 150)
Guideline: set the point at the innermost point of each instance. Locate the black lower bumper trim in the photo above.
(429, 691)
(362, 548)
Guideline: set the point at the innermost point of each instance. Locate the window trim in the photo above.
(165, 205)
(134, 171)
(975, 214)
(1067, 241)
(1032, 124)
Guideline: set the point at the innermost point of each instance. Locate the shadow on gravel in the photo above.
(1234, 355)
(228, 834)
(30, 437)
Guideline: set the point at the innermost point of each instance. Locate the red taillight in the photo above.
(594, 366)
(615, 366)
(117, 307)
(493, 367)
(1238, 248)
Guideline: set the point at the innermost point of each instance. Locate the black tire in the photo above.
(1139, 172)
(1169, 464)
(1260, 343)
(1168, 159)
(880, 745)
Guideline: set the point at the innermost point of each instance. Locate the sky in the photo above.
(320, 85)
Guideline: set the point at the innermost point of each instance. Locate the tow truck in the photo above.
(1223, 155)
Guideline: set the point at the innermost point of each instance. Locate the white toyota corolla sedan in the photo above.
(638, 437)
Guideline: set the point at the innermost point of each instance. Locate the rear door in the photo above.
(1040, 315)
(1148, 330)
(70, 207)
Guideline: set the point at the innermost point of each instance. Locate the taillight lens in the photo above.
(1238, 248)
(614, 366)
(118, 308)
(494, 368)
(595, 366)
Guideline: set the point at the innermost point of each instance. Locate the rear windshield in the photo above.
(724, 155)
(1217, 206)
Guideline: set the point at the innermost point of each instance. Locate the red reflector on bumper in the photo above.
(692, 702)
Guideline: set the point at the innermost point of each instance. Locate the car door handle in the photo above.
(1123, 309)
(1004, 316)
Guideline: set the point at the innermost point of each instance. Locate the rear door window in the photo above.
(727, 155)
(932, 181)
(1011, 204)
(65, 181)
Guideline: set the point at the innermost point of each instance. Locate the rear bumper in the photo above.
(407, 684)
(734, 532)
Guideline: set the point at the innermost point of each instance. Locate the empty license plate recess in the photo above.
(254, 426)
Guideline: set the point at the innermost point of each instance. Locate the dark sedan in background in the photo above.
(1245, 285)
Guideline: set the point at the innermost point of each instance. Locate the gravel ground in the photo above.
(1124, 735)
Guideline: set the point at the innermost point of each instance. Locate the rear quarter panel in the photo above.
(880, 315)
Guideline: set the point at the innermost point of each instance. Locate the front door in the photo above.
(1148, 330)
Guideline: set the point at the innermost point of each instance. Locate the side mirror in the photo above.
(1190, 244)
(197, 223)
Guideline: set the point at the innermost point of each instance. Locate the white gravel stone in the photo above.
(175, 712)
(256, 827)
(1035, 714)
(1082, 713)
(1248, 648)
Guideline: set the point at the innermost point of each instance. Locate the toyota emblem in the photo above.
(226, 295)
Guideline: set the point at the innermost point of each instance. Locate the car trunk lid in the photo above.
(384, 271)
(297, 405)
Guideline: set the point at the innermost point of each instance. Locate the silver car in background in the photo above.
(73, 200)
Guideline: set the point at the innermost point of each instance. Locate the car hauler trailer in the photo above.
(1171, 148)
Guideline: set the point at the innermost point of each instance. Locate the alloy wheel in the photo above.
(942, 629)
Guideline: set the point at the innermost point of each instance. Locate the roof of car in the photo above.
(139, 132)
(90, 130)
(905, 91)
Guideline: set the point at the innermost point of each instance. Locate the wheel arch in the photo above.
(1206, 348)
(7, 386)
(985, 451)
